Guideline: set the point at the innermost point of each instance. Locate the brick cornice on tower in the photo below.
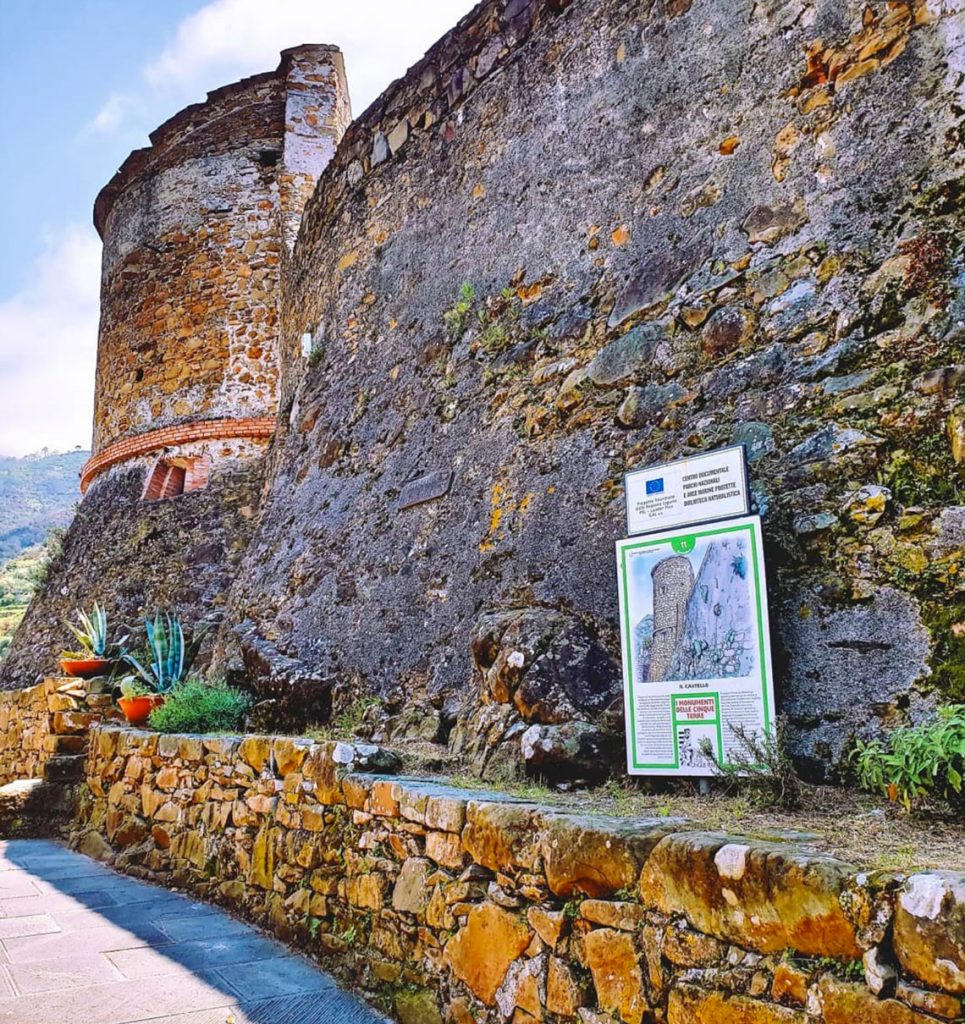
(247, 428)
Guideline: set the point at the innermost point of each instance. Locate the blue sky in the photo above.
(83, 82)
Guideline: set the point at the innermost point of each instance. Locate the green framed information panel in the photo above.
(696, 645)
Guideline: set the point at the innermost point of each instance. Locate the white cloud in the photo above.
(48, 341)
(115, 112)
(229, 39)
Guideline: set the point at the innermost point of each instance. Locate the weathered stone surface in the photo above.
(501, 835)
(843, 661)
(760, 896)
(624, 356)
(613, 914)
(843, 1003)
(596, 856)
(614, 962)
(929, 929)
(564, 994)
(790, 985)
(417, 1008)
(690, 1005)
(411, 893)
(480, 953)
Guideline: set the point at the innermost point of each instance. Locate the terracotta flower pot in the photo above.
(84, 668)
(136, 709)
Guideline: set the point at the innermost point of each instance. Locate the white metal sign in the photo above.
(700, 489)
(696, 647)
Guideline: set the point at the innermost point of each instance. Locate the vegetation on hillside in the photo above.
(36, 492)
(19, 578)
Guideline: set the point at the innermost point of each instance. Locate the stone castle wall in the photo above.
(575, 239)
(684, 225)
(441, 904)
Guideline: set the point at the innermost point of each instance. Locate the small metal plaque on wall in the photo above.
(425, 488)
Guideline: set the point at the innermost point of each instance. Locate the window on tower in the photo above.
(171, 477)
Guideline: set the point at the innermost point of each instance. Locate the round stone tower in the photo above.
(195, 231)
(673, 582)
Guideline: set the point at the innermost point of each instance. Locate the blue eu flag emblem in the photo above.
(655, 486)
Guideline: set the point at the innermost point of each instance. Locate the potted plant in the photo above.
(137, 699)
(170, 655)
(93, 657)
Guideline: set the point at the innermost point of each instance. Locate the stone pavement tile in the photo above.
(6, 985)
(24, 906)
(17, 883)
(89, 881)
(77, 971)
(16, 850)
(105, 939)
(201, 926)
(331, 1007)
(35, 924)
(61, 866)
(200, 953)
(274, 978)
(118, 1002)
(131, 916)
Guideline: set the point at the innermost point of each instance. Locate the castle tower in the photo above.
(195, 230)
(673, 582)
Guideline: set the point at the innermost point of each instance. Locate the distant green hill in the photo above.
(36, 492)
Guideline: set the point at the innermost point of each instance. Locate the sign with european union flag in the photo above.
(701, 489)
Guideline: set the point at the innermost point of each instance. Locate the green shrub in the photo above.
(917, 763)
(197, 706)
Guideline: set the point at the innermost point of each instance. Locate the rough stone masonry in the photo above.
(576, 238)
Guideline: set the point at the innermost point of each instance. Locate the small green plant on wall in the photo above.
(917, 764)
(456, 318)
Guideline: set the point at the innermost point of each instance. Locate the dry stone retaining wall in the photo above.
(46, 721)
(450, 905)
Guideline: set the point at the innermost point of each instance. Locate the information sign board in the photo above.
(696, 646)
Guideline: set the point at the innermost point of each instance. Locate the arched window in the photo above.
(171, 477)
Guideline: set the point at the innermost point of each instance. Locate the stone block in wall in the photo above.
(617, 978)
(691, 1005)
(482, 950)
(596, 856)
(844, 1003)
(501, 836)
(929, 929)
(762, 896)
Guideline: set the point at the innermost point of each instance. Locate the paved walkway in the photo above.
(81, 944)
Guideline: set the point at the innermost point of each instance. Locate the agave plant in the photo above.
(91, 634)
(171, 653)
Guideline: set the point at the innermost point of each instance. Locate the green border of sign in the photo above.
(682, 541)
